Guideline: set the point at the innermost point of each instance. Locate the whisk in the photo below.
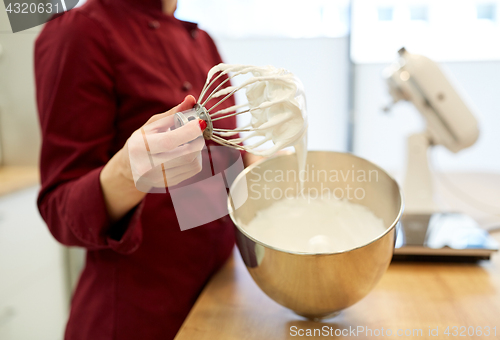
(276, 103)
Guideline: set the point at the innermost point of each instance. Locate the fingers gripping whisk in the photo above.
(275, 102)
(197, 112)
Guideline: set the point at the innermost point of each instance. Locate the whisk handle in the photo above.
(197, 112)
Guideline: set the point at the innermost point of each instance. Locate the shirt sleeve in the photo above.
(77, 109)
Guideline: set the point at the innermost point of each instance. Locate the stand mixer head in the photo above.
(276, 103)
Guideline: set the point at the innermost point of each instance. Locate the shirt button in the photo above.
(194, 34)
(154, 24)
(186, 86)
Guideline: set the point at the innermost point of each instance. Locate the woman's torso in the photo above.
(157, 61)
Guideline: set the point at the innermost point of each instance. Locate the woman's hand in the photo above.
(161, 156)
(153, 157)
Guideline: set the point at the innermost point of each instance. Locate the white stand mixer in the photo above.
(449, 122)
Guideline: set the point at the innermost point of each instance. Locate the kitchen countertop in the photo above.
(409, 297)
(14, 178)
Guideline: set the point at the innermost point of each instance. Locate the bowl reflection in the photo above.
(316, 286)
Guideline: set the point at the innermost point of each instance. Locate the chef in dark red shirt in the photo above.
(102, 71)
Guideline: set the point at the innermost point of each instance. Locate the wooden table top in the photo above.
(13, 178)
(409, 297)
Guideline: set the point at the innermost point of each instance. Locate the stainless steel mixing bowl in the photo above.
(316, 286)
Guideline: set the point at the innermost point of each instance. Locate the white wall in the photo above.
(322, 66)
(19, 131)
(382, 137)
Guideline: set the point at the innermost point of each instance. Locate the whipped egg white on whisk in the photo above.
(277, 103)
(275, 100)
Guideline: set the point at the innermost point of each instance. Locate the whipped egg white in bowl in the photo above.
(319, 245)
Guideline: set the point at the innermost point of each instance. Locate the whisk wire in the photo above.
(216, 89)
(268, 113)
(229, 109)
(230, 115)
(206, 87)
(224, 99)
(233, 130)
(227, 142)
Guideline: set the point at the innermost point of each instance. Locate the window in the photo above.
(385, 13)
(442, 30)
(486, 11)
(419, 13)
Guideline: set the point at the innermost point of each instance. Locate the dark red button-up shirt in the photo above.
(101, 71)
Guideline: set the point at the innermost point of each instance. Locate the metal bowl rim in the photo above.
(287, 153)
